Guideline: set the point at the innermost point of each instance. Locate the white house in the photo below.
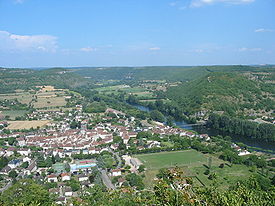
(242, 153)
(68, 191)
(10, 151)
(65, 177)
(2, 151)
(52, 178)
(82, 178)
(21, 141)
(24, 151)
(116, 172)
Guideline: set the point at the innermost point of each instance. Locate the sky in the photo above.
(49, 33)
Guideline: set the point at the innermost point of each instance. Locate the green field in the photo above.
(13, 114)
(194, 164)
(23, 97)
(172, 159)
(140, 92)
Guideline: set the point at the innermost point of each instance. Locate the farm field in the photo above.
(23, 97)
(49, 101)
(194, 164)
(26, 124)
(140, 92)
(14, 113)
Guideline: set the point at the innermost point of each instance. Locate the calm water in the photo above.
(212, 132)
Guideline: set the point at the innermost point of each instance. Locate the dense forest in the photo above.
(243, 128)
(230, 93)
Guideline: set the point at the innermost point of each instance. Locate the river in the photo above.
(212, 132)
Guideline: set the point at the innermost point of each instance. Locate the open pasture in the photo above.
(172, 159)
(13, 125)
(23, 97)
(194, 164)
(13, 114)
(44, 102)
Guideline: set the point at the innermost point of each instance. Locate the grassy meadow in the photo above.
(194, 164)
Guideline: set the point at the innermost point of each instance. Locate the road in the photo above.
(106, 180)
(117, 157)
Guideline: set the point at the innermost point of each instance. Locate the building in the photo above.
(32, 168)
(116, 172)
(68, 192)
(83, 165)
(52, 178)
(82, 178)
(5, 170)
(21, 141)
(65, 177)
(24, 151)
(14, 163)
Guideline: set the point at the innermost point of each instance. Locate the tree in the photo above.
(135, 181)
(157, 116)
(13, 174)
(3, 162)
(26, 192)
(25, 165)
(141, 168)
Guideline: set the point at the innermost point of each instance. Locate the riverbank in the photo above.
(252, 144)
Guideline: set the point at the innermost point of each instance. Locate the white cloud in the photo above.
(244, 49)
(88, 49)
(154, 48)
(263, 30)
(199, 3)
(15, 42)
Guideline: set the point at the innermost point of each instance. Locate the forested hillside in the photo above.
(168, 73)
(229, 93)
(13, 79)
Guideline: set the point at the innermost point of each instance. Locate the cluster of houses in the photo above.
(59, 139)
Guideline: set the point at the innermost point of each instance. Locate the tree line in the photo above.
(244, 128)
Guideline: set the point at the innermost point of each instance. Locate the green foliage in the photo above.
(157, 116)
(25, 79)
(13, 174)
(244, 128)
(3, 162)
(26, 192)
(95, 107)
(135, 181)
(227, 92)
(247, 193)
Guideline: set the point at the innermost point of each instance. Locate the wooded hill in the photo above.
(229, 93)
(168, 73)
(25, 79)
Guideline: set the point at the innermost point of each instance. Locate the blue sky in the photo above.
(42, 33)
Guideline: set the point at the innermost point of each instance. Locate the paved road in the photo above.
(6, 186)
(117, 157)
(106, 180)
